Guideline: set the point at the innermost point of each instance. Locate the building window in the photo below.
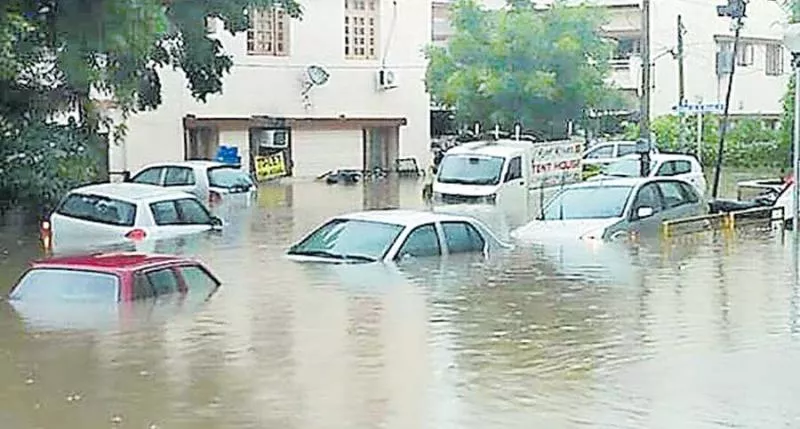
(268, 33)
(361, 29)
(626, 48)
(744, 55)
(774, 60)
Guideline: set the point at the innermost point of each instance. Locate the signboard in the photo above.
(270, 167)
(699, 108)
(557, 163)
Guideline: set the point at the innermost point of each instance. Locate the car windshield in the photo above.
(47, 284)
(350, 239)
(471, 169)
(626, 167)
(228, 177)
(595, 202)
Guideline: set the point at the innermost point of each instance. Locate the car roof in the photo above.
(663, 157)
(617, 181)
(189, 163)
(110, 262)
(493, 148)
(131, 192)
(402, 217)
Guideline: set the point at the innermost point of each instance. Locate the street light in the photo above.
(791, 39)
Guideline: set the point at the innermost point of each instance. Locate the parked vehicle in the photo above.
(115, 277)
(613, 209)
(684, 167)
(604, 153)
(392, 236)
(210, 181)
(771, 196)
(112, 213)
(506, 173)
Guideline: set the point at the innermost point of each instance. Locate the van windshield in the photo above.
(471, 169)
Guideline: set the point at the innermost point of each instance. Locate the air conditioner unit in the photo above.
(386, 79)
(724, 62)
(271, 138)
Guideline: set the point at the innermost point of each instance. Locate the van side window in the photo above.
(514, 169)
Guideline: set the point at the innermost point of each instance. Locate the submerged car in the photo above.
(611, 209)
(114, 277)
(684, 167)
(394, 235)
(211, 181)
(114, 213)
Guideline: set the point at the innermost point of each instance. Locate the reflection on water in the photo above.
(697, 333)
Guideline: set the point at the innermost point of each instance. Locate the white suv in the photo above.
(115, 213)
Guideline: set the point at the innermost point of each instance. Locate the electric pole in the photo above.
(644, 112)
(681, 83)
(735, 9)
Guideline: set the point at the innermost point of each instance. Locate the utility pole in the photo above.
(735, 9)
(681, 82)
(644, 112)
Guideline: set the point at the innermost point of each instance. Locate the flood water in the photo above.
(702, 332)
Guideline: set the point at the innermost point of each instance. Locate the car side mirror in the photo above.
(643, 212)
(216, 222)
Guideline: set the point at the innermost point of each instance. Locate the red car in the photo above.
(114, 277)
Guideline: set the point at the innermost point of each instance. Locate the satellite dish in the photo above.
(317, 75)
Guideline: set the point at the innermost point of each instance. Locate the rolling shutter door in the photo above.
(317, 152)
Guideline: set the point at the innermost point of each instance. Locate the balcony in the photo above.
(626, 73)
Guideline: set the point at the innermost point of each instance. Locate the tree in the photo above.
(541, 68)
(53, 53)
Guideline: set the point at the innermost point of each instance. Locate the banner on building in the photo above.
(270, 167)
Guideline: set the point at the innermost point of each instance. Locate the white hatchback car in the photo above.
(210, 181)
(116, 213)
(684, 167)
(394, 235)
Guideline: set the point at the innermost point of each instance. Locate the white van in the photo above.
(504, 172)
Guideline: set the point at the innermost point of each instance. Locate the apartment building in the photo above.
(341, 88)
(762, 64)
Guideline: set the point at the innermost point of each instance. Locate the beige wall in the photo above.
(263, 85)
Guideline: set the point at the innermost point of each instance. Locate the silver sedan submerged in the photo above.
(612, 209)
(393, 236)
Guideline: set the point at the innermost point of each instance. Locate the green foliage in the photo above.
(541, 68)
(748, 143)
(42, 161)
(54, 52)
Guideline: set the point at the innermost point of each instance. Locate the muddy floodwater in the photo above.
(700, 332)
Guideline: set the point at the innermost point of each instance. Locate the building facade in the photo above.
(343, 87)
(762, 64)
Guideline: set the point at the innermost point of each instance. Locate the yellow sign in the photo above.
(270, 167)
